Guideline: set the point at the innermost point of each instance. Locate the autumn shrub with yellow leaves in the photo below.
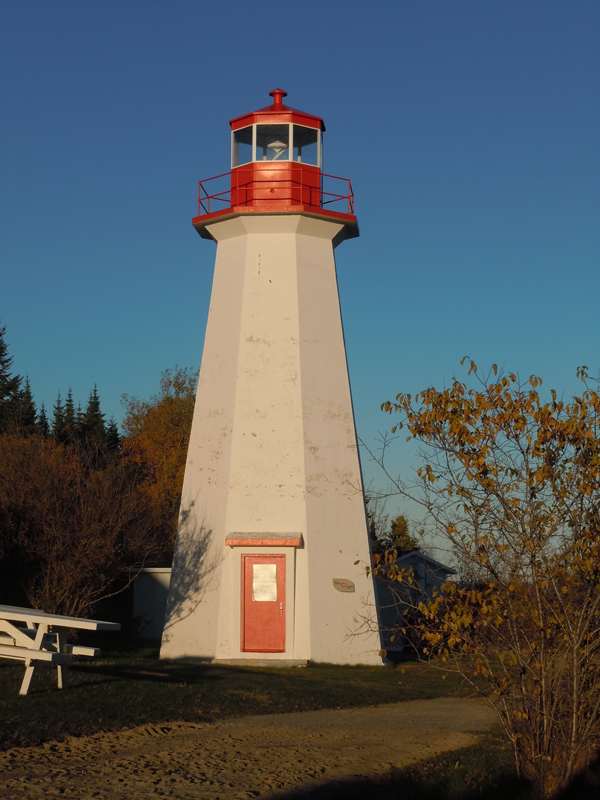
(511, 479)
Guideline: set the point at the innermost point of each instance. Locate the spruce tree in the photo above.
(71, 420)
(79, 417)
(42, 422)
(92, 426)
(401, 536)
(58, 420)
(113, 438)
(25, 413)
(10, 386)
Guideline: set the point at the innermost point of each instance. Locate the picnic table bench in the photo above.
(39, 638)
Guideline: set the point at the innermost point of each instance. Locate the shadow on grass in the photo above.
(481, 771)
(484, 770)
(146, 667)
(399, 786)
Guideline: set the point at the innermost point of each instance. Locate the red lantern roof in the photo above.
(277, 112)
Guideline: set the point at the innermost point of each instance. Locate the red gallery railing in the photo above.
(290, 190)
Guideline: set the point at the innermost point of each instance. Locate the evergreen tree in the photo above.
(42, 422)
(25, 413)
(401, 536)
(78, 417)
(71, 420)
(58, 420)
(10, 386)
(92, 426)
(113, 438)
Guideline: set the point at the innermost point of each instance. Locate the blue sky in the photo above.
(470, 131)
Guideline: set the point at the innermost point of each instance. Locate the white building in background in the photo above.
(397, 602)
(272, 543)
(150, 591)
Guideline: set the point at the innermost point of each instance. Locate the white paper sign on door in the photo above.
(264, 582)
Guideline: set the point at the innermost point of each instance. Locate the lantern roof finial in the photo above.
(278, 95)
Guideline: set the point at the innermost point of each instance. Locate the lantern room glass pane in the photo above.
(272, 142)
(242, 146)
(305, 145)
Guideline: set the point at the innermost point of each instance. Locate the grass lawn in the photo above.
(129, 686)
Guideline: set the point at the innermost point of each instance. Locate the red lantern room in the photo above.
(276, 167)
(276, 157)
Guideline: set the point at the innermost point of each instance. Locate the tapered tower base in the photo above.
(272, 517)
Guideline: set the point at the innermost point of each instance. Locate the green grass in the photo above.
(129, 686)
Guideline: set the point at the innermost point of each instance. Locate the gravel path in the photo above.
(247, 757)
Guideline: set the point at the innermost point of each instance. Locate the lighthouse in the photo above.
(269, 563)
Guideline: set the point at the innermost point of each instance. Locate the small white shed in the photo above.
(150, 590)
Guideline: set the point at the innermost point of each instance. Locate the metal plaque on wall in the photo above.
(343, 585)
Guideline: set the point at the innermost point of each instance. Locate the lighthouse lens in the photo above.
(272, 142)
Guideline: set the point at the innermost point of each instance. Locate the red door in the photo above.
(263, 604)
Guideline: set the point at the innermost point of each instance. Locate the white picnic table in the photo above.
(39, 638)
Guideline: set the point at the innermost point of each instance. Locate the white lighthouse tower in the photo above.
(272, 517)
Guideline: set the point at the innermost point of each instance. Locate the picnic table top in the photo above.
(16, 614)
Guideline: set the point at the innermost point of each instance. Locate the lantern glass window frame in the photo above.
(242, 146)
(244, 153)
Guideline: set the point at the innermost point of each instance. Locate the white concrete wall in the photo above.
(150, 590)
(336, 520)
(272, 449)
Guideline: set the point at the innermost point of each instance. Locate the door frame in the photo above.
(290, 581)
(268, 557)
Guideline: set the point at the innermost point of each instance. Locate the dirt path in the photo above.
(248, 757)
